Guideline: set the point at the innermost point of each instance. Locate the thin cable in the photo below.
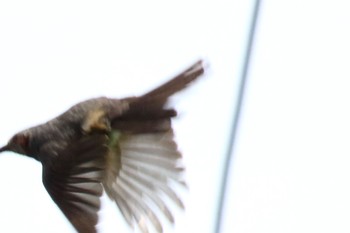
(237, 115)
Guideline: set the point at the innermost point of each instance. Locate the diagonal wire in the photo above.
(237, 115)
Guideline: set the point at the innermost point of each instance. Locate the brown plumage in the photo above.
(124, 147)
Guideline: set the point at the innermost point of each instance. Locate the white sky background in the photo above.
(55, 54)
(290, 169)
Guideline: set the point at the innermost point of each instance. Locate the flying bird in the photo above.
(123, 147)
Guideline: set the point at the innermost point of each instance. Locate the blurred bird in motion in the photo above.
(124, 147)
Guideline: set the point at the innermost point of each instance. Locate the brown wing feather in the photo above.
(74, 181)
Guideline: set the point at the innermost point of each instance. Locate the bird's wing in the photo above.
(144, 162)
(140, 171)
(74, 180)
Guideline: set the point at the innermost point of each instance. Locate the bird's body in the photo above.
(55, 134)
(124, 147)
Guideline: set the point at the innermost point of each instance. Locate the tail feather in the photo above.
(177, 83)
(150, 106)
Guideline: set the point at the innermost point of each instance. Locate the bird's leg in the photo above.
(96, 120)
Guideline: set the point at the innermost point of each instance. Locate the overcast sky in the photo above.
(290, 167)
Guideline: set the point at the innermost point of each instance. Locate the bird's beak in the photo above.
(4, 148)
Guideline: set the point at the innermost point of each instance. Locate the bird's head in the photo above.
(19, 143)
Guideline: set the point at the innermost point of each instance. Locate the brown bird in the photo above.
(124, 147)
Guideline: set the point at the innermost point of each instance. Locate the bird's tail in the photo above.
(177, 83)
(148, 112)
(152, 103)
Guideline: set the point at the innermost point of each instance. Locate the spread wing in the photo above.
(144, 161)
(140, 170)
(74, 181)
